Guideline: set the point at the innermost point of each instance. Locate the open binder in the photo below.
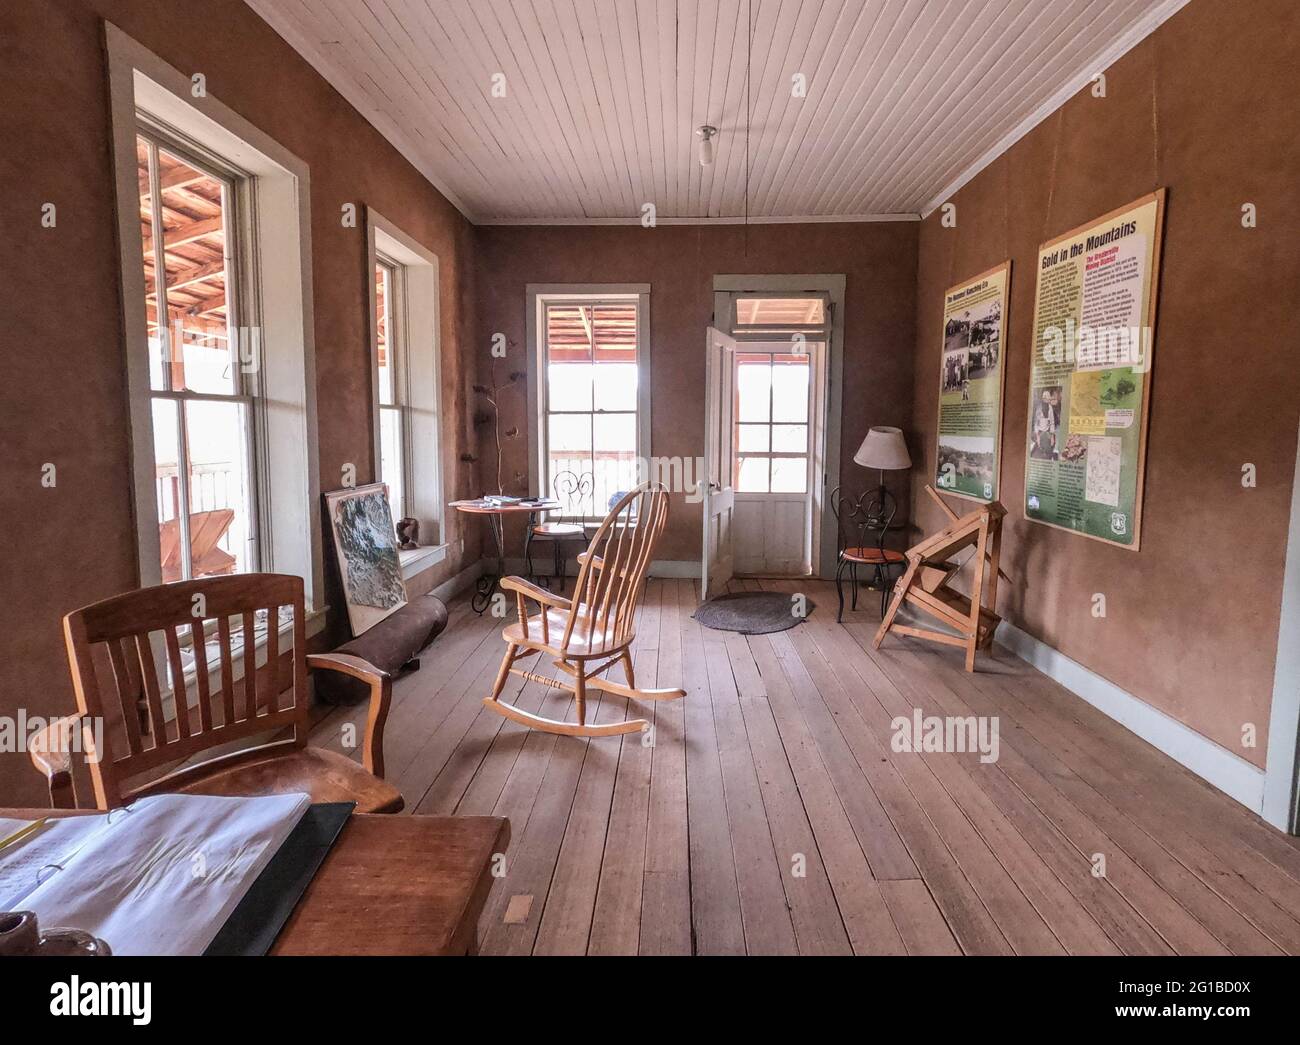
(161, 876)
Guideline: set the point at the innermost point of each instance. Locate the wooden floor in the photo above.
(768, 814)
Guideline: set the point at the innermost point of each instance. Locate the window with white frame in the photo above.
(202, 380)
(391, 381)
(214, 228)
(407, 383)
(591, 393)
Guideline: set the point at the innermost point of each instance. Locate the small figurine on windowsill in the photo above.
(408, 534)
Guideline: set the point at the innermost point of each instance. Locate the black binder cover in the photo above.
(258, 918)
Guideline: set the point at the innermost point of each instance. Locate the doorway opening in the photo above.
(775, 416)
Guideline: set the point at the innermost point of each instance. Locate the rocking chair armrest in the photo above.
(50, 754)
(381, 695)
(532, 591)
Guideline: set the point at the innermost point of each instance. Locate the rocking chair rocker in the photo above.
(594, 630)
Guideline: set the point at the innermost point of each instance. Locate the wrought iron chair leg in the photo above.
(839, 591)
(853, 572)
(559, 565)
(528, 551)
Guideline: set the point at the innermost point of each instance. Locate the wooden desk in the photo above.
(411, 885)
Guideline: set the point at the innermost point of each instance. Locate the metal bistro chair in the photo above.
(861, 527)
(572, 490)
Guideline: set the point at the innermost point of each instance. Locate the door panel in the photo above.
(773, 457)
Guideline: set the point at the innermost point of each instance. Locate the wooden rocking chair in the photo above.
(594, 630)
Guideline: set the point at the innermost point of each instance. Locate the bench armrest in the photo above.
(50, 754)
(381, 695)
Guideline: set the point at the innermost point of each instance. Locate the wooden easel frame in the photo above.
(925, 582)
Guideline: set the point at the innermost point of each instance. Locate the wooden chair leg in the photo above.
(580, 694)
(627, 670)
(506, 663)
(900, 593)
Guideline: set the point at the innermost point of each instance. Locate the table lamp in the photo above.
(885, 450)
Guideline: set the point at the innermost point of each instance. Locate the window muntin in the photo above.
(590, 421)
(391, 384)
(772, 399)
(202, 377)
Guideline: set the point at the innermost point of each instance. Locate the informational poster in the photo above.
(971, 371)
(1090, 374)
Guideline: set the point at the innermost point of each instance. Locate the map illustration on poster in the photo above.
(1090, 374)
(971, 380)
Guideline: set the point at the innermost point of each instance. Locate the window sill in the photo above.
(417, 560)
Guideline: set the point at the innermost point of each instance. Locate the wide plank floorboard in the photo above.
(768, 812)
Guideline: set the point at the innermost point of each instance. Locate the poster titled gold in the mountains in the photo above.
(1090, 374)
(970, 385)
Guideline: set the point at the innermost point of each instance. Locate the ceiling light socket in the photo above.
(706, 135)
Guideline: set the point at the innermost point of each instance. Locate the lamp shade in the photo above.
(884, 449)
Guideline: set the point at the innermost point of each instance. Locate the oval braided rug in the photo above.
(753, 612)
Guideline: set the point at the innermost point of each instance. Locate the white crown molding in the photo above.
(796, 219)
(1138, 32)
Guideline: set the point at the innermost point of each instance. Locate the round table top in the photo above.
(480, 507)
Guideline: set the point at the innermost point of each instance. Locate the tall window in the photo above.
(391, 381)
(590, 423)
(202, 377)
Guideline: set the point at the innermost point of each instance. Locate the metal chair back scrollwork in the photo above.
(573, 490)
(861, 525)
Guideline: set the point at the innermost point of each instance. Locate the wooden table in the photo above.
(410, 885)
(496, 513)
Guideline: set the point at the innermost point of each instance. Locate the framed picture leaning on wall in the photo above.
(365, 544)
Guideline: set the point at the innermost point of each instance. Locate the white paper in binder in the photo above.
(159, 876)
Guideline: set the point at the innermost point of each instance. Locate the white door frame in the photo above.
(824, 540)
(1280, 773)
(718, 481)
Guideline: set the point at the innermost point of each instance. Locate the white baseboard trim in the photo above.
(453, 586)
(1230, 773)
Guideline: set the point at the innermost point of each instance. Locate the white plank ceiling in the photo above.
(904, 98)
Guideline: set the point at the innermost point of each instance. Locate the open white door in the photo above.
(718, 483)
